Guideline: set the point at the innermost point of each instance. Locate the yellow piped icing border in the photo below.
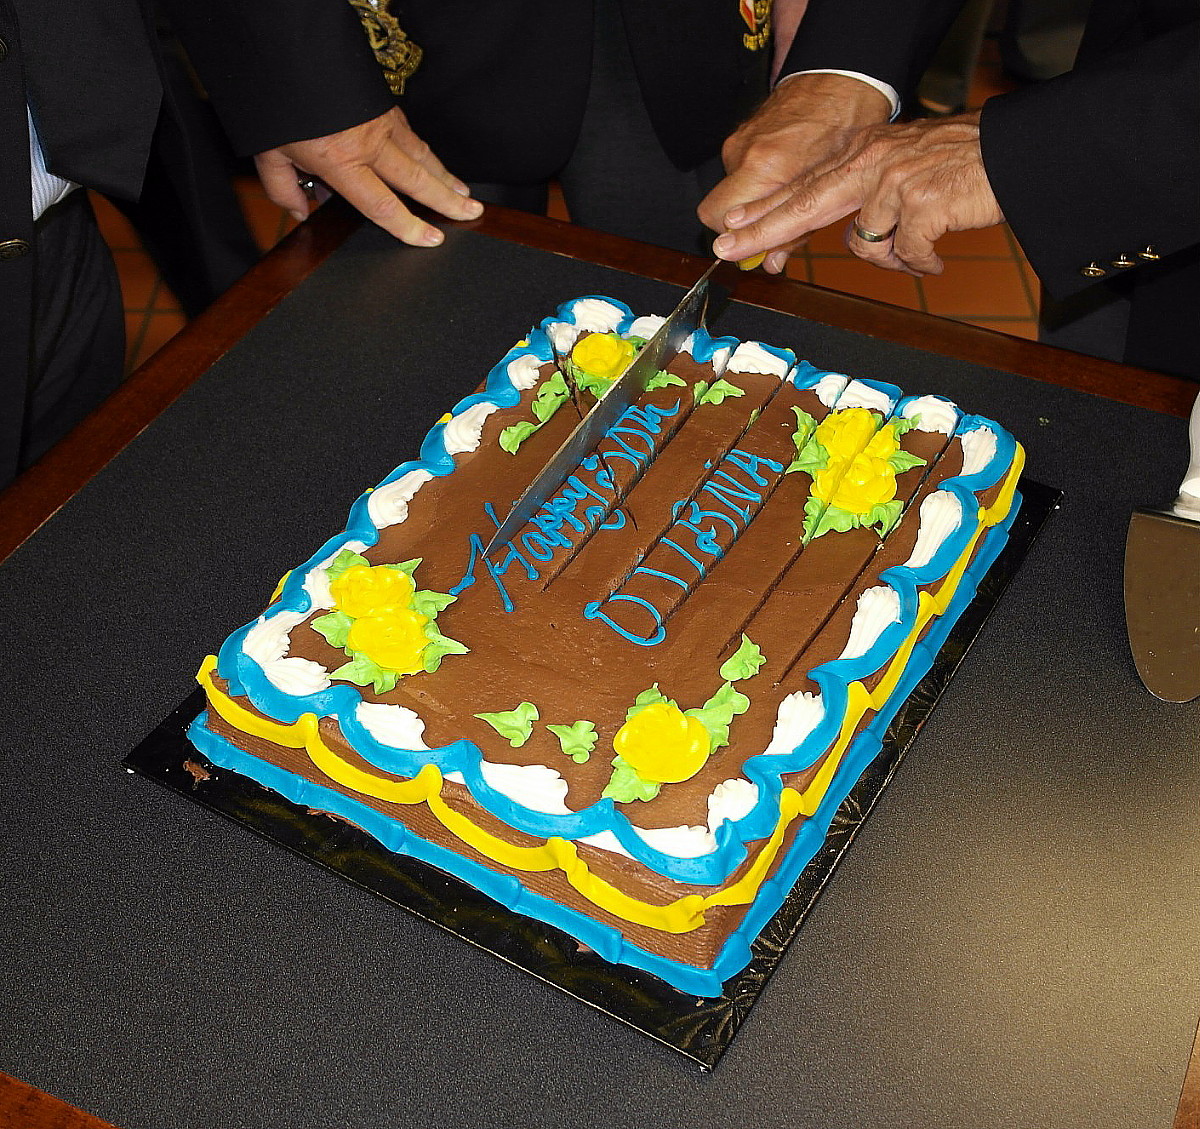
(684, 914)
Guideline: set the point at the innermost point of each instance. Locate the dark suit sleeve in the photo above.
(281, 70)
(1101, 162)
(890, 40)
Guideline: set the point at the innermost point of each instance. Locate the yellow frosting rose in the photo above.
(603, 355)
(868, 482)
(395, 639)
(662, 744)
(370, 589)
(843, 434)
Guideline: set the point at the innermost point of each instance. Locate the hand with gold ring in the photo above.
(906, 184)
(802, 128)
(866, 236)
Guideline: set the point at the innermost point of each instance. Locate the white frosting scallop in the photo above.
(830, 387)
(647, 326)
(398, 727)
(388, 505)
(750, 356)
(680, 842)
(464, 431)
(297, 677)
(604, 841)
(534, 786)
(523, 371)
(562, 336)
(798, 715)
(979, 448)
(860, 395)
(731, 800)
(932, 413)
(268, 640)
(596, 314)
(455, 777)
(267, 643)
(878, 608)
(941, 515)
(316, 584)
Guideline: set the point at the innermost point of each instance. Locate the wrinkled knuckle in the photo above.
(386, 207)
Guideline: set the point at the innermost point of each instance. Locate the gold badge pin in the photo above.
(398, 55)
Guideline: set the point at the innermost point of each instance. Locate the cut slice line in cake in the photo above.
(636, 723)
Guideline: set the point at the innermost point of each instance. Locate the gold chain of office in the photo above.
(398, 55)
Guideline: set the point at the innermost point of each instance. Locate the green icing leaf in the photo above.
(698, 391)
(638, 343)
(408, 567)
(551, 396)
(430, 603)
(585, 381)
(718, 392)
(363, 672)
(577, 740)
(905, 460)
(831, 520)
(515, 726)
(901, 426)
(625, 785)
(515, 434)
(811, 458)
(663, 379)
(884, 516)
(438, 647)
(805, 426)
(744, 663)
(716, 714)
(335, 627)
(347, 558)
(647, 698)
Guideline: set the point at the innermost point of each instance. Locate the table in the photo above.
(1011, 941)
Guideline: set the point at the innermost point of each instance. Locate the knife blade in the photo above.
(1162, 586)
(669, 339)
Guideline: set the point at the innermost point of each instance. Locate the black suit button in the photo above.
(1149, 255)
(1093, 270)
(13, 248)
(1122, 261)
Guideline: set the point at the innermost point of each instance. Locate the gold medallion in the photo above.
(398, 55)
(756, 14)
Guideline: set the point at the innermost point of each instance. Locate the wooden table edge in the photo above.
(48, 485)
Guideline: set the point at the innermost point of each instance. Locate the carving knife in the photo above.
(1162, 586)
(683, 321)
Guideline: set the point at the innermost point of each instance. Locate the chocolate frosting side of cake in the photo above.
(736, 536)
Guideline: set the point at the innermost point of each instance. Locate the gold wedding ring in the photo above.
(871, 236)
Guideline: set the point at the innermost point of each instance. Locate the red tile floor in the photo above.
(987, 281)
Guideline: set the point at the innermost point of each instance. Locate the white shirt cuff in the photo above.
(887, 91)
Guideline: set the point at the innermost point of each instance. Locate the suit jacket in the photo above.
(500, 92)
(96, 95)
(1095, 168)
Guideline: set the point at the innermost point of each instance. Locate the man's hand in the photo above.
(804, 127)
(910, 183)
(365, 164)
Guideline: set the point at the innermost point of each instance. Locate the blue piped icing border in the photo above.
(607, 941)
(765, 771)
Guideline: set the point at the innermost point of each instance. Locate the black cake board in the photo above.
(699, 1028)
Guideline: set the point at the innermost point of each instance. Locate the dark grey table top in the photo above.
(1012, 940)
